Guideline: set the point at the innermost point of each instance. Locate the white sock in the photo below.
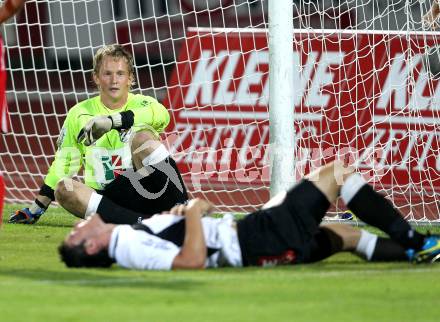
(351, 187)
(366, 244)
(92, 206)
(158, 155)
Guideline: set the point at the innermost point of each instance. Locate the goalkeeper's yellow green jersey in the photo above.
(111, 153)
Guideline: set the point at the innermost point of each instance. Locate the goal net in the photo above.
(362, 90)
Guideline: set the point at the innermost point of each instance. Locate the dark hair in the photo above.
(76, 256)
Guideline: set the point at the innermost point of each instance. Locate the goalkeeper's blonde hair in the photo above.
(116, 51)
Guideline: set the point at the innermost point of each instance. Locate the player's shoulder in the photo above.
(86, 106)
(141, 100)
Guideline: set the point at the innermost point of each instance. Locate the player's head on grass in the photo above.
(77, 256)
(113, 74)
(87, 244)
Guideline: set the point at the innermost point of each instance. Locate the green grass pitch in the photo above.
(35, 286)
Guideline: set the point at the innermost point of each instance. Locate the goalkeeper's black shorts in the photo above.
(163, 194)
(284, 234)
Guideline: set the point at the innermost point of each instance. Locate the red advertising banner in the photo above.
(362, 95)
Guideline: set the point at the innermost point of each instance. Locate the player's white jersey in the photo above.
(155, 243)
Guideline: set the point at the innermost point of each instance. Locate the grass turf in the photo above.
(35, 286)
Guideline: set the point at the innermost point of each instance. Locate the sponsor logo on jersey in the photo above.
(112, 166)
(285, 258)
(145, 103)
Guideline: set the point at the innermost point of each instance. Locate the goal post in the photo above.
(360, 91)
(281, 111)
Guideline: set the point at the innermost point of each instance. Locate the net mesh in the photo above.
(363, 90)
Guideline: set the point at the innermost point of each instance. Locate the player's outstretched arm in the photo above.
(67, 163)
(10, 8)
(193, 253)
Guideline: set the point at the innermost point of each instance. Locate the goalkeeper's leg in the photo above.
(82, 201)
(154, 184)
(73, 196)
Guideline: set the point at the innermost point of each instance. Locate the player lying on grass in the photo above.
(114, 136)
(286, 233)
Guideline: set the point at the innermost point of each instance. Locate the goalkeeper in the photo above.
(286, 231)
(114, 138)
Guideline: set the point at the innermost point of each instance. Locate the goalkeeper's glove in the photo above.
(25, 216)
(99, 125)
(95, 128)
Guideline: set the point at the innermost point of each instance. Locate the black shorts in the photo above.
(122, 192)
(283, 234)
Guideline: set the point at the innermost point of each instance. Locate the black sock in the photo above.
(388, 250)
(110, 212)
(375, 210)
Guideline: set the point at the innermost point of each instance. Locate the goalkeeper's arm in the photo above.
(43, 199)
(67, 163)
(37, 208)
(101, 124)
(146, 113)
